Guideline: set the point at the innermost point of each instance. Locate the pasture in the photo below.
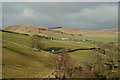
(22, 62)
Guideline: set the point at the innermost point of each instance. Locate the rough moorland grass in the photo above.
(20, 62)
(102, 37)
(26, 52)
(34, 64)
(21, 39)
(89, 36)
(25, 40)
(15, 51)
(19, 66)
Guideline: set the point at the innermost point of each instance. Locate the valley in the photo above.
(22, 57)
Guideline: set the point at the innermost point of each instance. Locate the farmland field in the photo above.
(23, 62)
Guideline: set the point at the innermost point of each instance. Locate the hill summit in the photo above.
(59, 30)
(26, 28)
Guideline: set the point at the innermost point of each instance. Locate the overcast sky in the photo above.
(60, 0)
(80, 15)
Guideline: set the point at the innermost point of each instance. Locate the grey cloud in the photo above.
(81, 15)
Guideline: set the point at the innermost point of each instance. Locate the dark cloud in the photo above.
(81, 15)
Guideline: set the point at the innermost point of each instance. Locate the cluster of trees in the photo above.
(37, 42)
(14, 32)
(64, 67)
(95, 66)
(76, 40)
(112, 56)
(55, 28)
(61, 64)
(44, 37)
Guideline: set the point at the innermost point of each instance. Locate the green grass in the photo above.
(101, 37)
(23, 62)
(25, 40)
(21, 39)
(89, 36)
(20, 62)
(20, 66)
(59, 36)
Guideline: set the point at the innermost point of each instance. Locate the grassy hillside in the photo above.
(25, 28)
(16, 65)
(89, 36)
(105, 35)
(102, 31)
(22, 62)
(49, 43)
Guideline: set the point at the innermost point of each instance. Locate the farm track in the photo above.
(49, 52)
(22, 45)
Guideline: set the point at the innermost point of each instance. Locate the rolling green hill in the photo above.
(104, 35)
(23, 62)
